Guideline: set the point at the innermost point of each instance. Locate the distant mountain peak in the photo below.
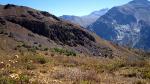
(139, 1)
(99, 12)
(86, 20)
(128, 24)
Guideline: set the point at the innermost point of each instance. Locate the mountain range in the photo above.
(34, 28)
(86, 20)
(36, 47)
(126, 25)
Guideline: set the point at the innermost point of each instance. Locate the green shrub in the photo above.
(45, 49)
(30, 66)
(40, 45)
(6, 80)
(65, 52)
(70, 53)
(115, 65)
(25, 46)
(30, 48)
(41, 60)
(24, 79)
(58, 50)
(33, 58)
(146, 74)
(139, 82)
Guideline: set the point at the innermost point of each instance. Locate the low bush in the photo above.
(45, 49)
(33, 58)
(30, 66)
(6, 80)
(146, 74)
(41, 60)
(65, 52)
(24, 79)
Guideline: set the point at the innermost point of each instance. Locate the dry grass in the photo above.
(23, 66)
(60, 69)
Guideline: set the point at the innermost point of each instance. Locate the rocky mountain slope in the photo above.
(38, 28)
(126, 25)
(38, 48)
(85, 21)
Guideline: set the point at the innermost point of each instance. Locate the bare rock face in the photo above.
(126, 24)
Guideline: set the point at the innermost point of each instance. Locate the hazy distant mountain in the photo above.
(127, 25)
(85, 20)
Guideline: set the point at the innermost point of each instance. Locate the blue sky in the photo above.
(67, 7)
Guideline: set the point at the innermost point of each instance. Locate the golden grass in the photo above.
(49, 67)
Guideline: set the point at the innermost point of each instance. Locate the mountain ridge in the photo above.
(125, 24)
(33, 26)
(86, 20)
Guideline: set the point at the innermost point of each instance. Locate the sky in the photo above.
(67, 7)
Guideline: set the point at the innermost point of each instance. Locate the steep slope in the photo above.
(85, 21)
(126, 25)
(41, 28)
